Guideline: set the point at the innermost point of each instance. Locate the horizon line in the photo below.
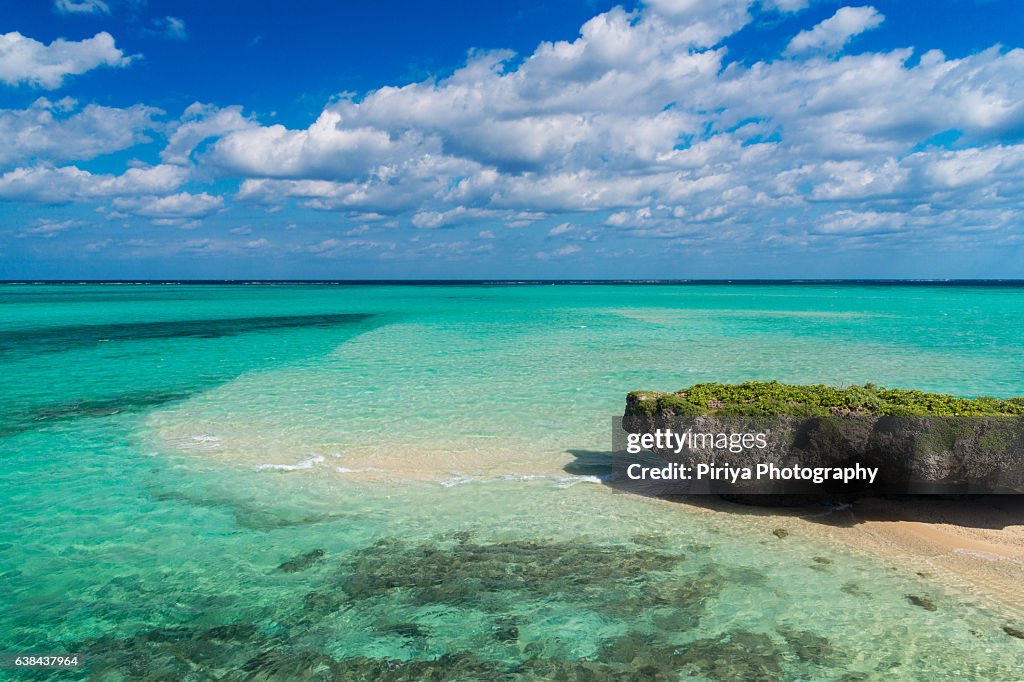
(528, 281)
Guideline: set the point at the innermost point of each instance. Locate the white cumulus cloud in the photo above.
(174, 206)
(56, 185)
(25, 60)
(641, 125)
(60, 131)
(199, 123)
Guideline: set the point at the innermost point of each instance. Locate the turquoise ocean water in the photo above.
(394, 482)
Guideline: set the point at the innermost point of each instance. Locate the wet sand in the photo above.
(974, 546)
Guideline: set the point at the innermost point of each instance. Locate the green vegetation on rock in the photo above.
(773, 398)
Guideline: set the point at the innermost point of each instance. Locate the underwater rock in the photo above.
(460, 536)
(854, 590)
(735, 655)
(627, 649)
(469, 572)
(506, 629)
(233, 632)
(320, 604)
(924, 602)
(409, 630)
(650, 539)
(545, 669)
(238, 652)
(780, 533)
(808, 646)
(677, 603)
(302, 561)
(1013, 632)
(452, 666)
(170, 653)
(282, 664)
(506, 633)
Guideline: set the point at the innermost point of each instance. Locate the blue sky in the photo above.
(668, 138)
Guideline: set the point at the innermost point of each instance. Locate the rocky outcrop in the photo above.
(919, 443)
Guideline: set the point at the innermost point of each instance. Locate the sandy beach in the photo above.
(973, 546)
(976, 546)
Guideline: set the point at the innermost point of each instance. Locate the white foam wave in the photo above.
(566, 481)
(307, 463)
(460, 480)
(570, 481)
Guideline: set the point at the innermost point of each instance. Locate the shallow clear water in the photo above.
(272, 481)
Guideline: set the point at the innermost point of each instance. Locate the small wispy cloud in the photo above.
(832, 34)
(169, 28)
(47, 229)
(173, 28)
(559, 253)
(81, 7)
